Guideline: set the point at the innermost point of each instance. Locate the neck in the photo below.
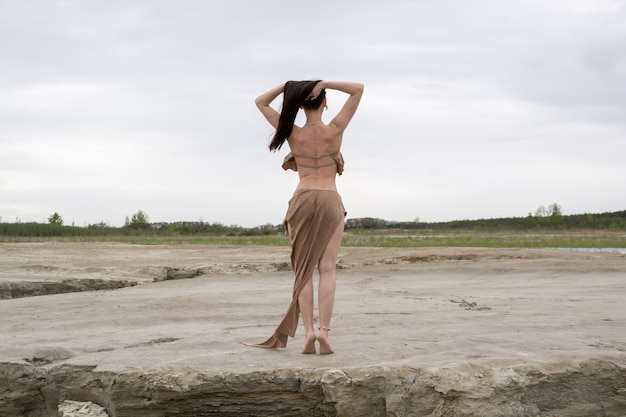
(313, 118)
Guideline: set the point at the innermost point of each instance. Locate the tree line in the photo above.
(138, 224)
(555, 221)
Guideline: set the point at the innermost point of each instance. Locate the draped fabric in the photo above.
(312, 218)
(290, 161)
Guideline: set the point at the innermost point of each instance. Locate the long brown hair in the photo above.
(295, 94)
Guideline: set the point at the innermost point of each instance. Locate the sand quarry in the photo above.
(155, 331)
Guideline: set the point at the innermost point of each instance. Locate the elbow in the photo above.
(359, 88)
(260, 103)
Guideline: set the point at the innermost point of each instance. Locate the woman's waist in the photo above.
(317, 181)
(317, 185)
(316, 189)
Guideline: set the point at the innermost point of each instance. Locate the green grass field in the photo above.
(380, 238)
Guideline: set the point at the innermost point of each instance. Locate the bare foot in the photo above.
(325, 347)
(309, 345)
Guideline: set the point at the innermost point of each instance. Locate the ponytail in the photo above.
(295, 94)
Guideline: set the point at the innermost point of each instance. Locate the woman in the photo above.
(315, 216)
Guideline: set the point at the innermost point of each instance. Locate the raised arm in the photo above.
(263, 103)
(355, 90)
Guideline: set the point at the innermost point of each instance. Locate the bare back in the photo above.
(314, 147)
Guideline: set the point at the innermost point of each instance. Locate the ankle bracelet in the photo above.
(324, 327)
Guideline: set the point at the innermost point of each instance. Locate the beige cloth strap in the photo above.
(290, 161)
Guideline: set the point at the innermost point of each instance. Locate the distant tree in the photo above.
(541, 212)
(554, 210)
(138, 220)
(55, 219)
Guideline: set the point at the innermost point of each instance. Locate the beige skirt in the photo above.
(312, 218)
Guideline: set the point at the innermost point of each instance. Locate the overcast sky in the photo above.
(472, 109)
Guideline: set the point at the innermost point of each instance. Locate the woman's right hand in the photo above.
(317, 90)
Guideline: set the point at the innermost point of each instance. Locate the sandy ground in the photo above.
(418, 307)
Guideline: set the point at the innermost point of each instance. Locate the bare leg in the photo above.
(305, 299)
(327, 284)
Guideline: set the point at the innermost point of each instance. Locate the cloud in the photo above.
(471, 109)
